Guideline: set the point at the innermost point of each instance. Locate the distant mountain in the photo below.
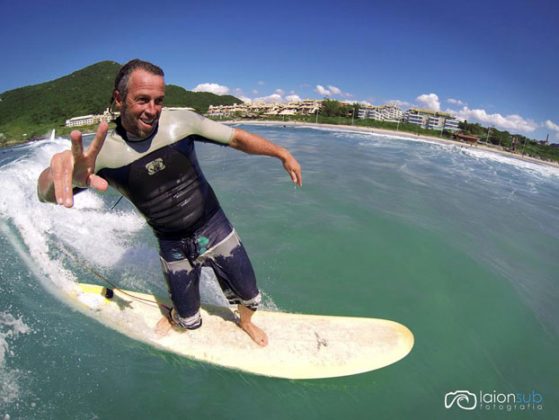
(32, 110)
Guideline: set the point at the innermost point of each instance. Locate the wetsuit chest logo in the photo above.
(155, 166)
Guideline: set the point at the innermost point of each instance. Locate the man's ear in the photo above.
(117, 98)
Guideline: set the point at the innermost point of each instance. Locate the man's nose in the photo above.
(151, 108)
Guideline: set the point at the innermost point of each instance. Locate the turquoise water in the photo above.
(458, 244)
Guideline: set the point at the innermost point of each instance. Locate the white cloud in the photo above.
(321, 90)
(551, 125)
(331, 90)
(511, 122)
(399, 103)
(245, 99)
(212, 88)
(269, 99)
(293, 98)
(335, 90)
(430, 101)
(278, 97)
(455, 102)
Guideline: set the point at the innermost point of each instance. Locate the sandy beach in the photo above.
(491, 149)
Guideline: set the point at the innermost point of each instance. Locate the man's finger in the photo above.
(77, 145)
(68, 191)
(99, 139)
(296, 177)
(61, 170)
(57, 179)
(294, 170)
(98, 183)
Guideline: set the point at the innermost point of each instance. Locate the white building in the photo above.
(381, 113)
(432, 120)
(91, 119)
(451, 124)
(306, 107)
(79, 121)
(417, 119)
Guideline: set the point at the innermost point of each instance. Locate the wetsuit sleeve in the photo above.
(215, 131)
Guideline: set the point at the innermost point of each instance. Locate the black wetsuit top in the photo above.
(161, 175)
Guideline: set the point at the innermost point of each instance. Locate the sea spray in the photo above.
(11, 328)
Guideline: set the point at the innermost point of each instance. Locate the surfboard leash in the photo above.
(109, 292)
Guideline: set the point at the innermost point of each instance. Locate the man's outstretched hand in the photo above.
(293, 168)
(73, 168)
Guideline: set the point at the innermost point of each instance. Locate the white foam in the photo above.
(11, 328)
(534, 167)
(95, 234)
(356, 131)
(518, 162)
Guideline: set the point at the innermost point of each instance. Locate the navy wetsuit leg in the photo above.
(234, 272)
(221, 249)
(183, 281)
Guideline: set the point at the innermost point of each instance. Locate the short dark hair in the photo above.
(121, 80)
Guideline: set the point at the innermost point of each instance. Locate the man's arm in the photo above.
(72, 168)
(256, 145)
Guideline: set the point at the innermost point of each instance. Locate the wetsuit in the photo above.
(161, 176)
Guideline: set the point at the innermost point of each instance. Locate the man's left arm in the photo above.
(256, 145)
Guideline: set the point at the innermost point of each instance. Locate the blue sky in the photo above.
(494, 62)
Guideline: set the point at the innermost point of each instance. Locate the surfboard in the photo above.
(300, 346)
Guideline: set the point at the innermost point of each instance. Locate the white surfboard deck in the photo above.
(300, 346)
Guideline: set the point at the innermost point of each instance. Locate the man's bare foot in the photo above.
(254, 332)
(163, 327)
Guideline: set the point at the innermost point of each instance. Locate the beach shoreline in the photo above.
(406, 134)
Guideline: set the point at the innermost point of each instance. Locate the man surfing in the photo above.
(150, 159)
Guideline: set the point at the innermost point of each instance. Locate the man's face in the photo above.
(140, 110)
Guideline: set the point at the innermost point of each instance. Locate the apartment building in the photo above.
(305, 107)
(91, 119)
(81, 120)
(381, 113)
(432, 120)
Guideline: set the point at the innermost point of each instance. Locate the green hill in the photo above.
(200, 101)
(32, 111)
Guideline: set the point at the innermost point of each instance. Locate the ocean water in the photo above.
(459, 244)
